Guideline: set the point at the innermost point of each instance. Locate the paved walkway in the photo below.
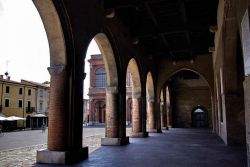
(18, 149)
(174, 148)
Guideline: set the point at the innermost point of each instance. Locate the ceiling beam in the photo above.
(150, 12)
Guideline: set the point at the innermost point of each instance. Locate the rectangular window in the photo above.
(7, 102)
(7, 89)
(29, 92)
(41, 93)
(20, 91)
(40, 105)
(20, 103)
(29, 104)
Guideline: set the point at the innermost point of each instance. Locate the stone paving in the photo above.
(26, 156)
(174, 148)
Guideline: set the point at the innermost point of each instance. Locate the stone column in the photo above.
(60, 149)
(137, 121)
(58, 128)
(162, 115)
(158, 116)
(91, 112)
(168, 115)
(247, 115)
(164, 111)
(150, 115)
(112, 120)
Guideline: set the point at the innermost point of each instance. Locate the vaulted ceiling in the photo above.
(172, 29)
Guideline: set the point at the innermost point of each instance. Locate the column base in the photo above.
(61, 157)
(151, 130)
(164, 128)
(139, 134)
(114, 141)
(159, 131)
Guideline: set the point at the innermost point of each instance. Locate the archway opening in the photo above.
(24, 79)
(185, 91)
(150, 97)
(135, 94)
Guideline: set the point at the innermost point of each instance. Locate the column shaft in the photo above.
(150, 115)
(136, 115)
(58, 127)
(111, 114)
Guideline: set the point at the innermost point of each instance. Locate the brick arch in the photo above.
(175, 71)
(59, 76)
(150, 86)
(53, 30)
(108, 59)
(134, 71)
(211, 117)
(150, 94)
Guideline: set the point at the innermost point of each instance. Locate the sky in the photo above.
(24, 49)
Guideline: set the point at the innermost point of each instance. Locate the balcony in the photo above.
(30, 109)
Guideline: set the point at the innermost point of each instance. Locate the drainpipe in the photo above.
(23, 103)
(2, 97)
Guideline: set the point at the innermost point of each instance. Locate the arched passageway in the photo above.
(137, 118)
(165, 52)
(150, 96)
(187, 90)
(114, 133)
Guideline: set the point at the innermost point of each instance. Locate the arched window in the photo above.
(100, 78)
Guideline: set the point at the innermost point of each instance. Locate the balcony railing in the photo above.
(30, 109)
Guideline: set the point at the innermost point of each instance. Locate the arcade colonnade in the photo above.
(70, 30)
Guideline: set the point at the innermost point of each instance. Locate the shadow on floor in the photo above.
(173, 148)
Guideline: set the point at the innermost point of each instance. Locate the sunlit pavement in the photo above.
(19, 148)
(12, 140)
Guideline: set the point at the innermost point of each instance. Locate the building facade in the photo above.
(42, 96)
(97, 92)
(21, 99)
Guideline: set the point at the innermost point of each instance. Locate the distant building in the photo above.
(42, 96)
(85, 110)
(24, 99)
(97, 91)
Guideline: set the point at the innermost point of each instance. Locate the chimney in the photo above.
(1, 76)
(8, 78)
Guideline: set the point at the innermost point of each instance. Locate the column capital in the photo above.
(56, 69)
(151, 99)
(136, 95)
(112, 89)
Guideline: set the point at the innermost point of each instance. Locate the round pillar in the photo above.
(112, 136)
(150, 114)
(136, 114)
(111, 113)
(58, 127)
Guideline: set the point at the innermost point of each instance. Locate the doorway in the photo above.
(199, 117)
